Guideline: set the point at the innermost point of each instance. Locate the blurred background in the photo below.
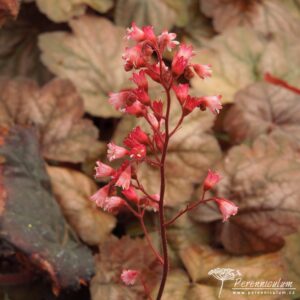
(59, 59)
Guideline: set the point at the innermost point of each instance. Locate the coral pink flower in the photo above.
(118, 100)
(190, 104)
(113, 204)
(203, 71)
(149, 203)
(135, 33)
(212, 102)
(185, 51)
(138, 152)
(129, 277)
(131, 194)
(115, 152)
(134, 56)
(159, 140)
(181, 59)
(136, 108)
(103, 170)
(226, 207)
(136, 136)
(149, 33)
(157, 107)
(124, 178)
(188, 73)
(181, 91)
(142, 96)
(166, 40)
(140, 80)
(211, 180)
(152, 120)
(154, 71)
(179, 65)
(100, 196)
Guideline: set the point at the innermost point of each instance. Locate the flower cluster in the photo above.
(124, 190)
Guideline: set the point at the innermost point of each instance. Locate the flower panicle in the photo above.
(123, 189)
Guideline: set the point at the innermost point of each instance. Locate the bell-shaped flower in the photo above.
(129, 277)
(211, 180)
(115, 152)
(103, 170)
(124, 178)
(227, 208)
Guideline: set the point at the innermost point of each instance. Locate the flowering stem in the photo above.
(149, 240)
(161, 201)
(188, 208)
(147, 292)
(178, 124)
(141, 188)
(133, 211)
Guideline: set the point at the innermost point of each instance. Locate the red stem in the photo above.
(147, 292)
(178, 124)
(150, 242)
(277, 81)
(188, 208)
(141, 188)
(162, 191)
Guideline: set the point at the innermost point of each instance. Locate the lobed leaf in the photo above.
(19, 53)
(200, 259)
(56, 110)
(118, 255)
(265, 16)
(272, 109)
(62, 11)
(263, 181)
(72, 190)
(90, 57)
(242, 56)
(31, 220)
(145, 12)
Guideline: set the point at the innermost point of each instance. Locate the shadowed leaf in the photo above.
(19, 54)
(116, 256)
(31, 220)
(9, 9)
(56, 110)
